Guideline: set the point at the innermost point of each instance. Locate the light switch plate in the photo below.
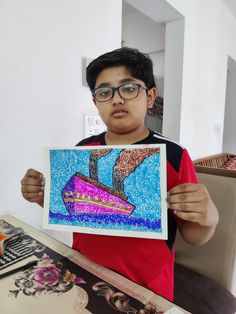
(93, 125)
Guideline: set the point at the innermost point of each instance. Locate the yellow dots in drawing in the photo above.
(94, 199)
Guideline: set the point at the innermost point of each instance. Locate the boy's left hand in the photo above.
(192, 202)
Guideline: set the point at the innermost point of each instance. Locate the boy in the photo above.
(123, 87)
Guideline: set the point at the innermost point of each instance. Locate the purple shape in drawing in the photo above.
(85, 195)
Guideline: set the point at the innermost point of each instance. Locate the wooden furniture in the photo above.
(214, 165)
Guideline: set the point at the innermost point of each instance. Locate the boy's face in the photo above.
(123, 115)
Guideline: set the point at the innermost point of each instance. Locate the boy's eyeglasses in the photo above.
(126, 91)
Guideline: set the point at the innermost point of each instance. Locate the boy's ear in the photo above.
(94, 101)
(152, 95)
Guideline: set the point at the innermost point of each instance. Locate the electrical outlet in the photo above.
(93, 125)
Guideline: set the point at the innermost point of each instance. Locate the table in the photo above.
(65, 281)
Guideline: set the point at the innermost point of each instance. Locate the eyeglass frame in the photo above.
(114, 89)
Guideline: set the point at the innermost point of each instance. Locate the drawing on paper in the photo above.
(112, 190)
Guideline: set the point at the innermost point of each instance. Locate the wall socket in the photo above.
(93, 125)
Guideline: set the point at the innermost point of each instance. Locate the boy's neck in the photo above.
(112, 138)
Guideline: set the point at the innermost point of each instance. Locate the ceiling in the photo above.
(167, 12)
(159, 11)
(128, 9)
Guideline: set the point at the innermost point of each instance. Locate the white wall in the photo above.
(229, 143)
(210, 31)
(143, 33)
(173, 78)
(42, 99)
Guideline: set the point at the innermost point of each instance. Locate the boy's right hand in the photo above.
(32, 186)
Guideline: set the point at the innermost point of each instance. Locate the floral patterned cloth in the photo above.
(46, 277)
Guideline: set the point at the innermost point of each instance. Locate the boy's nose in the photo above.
(117, 99)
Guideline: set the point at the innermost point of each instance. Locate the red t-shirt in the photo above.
(148, 262)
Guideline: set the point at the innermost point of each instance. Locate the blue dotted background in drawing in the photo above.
(142, 187)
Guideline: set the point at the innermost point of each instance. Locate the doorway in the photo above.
(154, 30)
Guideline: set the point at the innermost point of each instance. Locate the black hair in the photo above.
(139, 64)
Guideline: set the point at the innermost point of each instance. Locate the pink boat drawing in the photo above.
(86, 195)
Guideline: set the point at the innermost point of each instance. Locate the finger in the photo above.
(191, 197)
(32, 196)
(33, 181)
(32, 188)
(186, 207)
(37, 199)
(33, 173)
(184, 188)
(193, 217)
